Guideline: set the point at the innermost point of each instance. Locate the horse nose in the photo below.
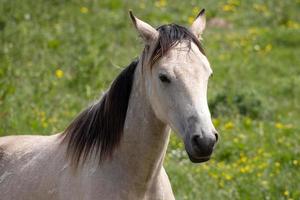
(217, 136)
(204, 146)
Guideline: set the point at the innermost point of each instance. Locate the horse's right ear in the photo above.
(146, 31)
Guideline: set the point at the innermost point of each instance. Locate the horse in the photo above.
(115, 148)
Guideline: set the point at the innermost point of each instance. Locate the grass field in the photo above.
(57, 56)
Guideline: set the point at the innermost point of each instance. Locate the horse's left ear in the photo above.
(198, 25)
(146, 31)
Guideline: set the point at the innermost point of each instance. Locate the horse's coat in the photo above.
(121, 156)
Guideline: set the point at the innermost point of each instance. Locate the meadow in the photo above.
(58, 56)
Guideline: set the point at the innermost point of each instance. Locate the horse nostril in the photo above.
(195, 140)
(217, 137)
(203, 145)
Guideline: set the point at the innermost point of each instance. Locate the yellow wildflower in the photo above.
(191, 19)
(268, 48)
(53, 120)
(234, 2)
(228, 177)
(229, 125)
(220, 165)
(222, 57)
(236, 140)
(260, 151)
(245, 169)
(248, 168)
(228, 8)
(281, 140)
(205, 167)
(243, 159)
(242, 170)
(231, 5)
(43, 119)
(44, 124)
(260, 8)
(253, 31)
(221, 184)
(84, 10)
(277, 164)
(42, 114)
(196, 11)
(59, 73)
(248, 121)
(286, 193)
(292, 24)
(160, 3)
(213, 175)
(263, 166)
(279, 125)
(216, 122)
(295, 162)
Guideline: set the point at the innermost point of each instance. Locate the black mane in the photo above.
(100, 126)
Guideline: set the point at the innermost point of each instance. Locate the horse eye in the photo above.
(163, 78)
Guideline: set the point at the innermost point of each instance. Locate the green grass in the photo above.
(254, 94)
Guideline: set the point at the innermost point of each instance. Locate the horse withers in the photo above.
(115, 148)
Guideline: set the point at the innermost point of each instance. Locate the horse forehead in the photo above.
(187, 59)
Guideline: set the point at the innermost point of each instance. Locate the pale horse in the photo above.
(116, 147)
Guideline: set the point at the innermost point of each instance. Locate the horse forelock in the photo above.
(169, 36)
(99, 128)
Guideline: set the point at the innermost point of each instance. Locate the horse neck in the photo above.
(145, 138)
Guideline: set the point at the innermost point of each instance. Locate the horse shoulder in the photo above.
(24, 163)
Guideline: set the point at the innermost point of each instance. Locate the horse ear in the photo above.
(146, 31)
(198, 25)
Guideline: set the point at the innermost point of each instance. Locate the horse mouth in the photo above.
(198, 159)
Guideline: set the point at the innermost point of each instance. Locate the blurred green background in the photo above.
(57, 56)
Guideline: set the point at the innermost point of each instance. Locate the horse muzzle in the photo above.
(200, 147)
